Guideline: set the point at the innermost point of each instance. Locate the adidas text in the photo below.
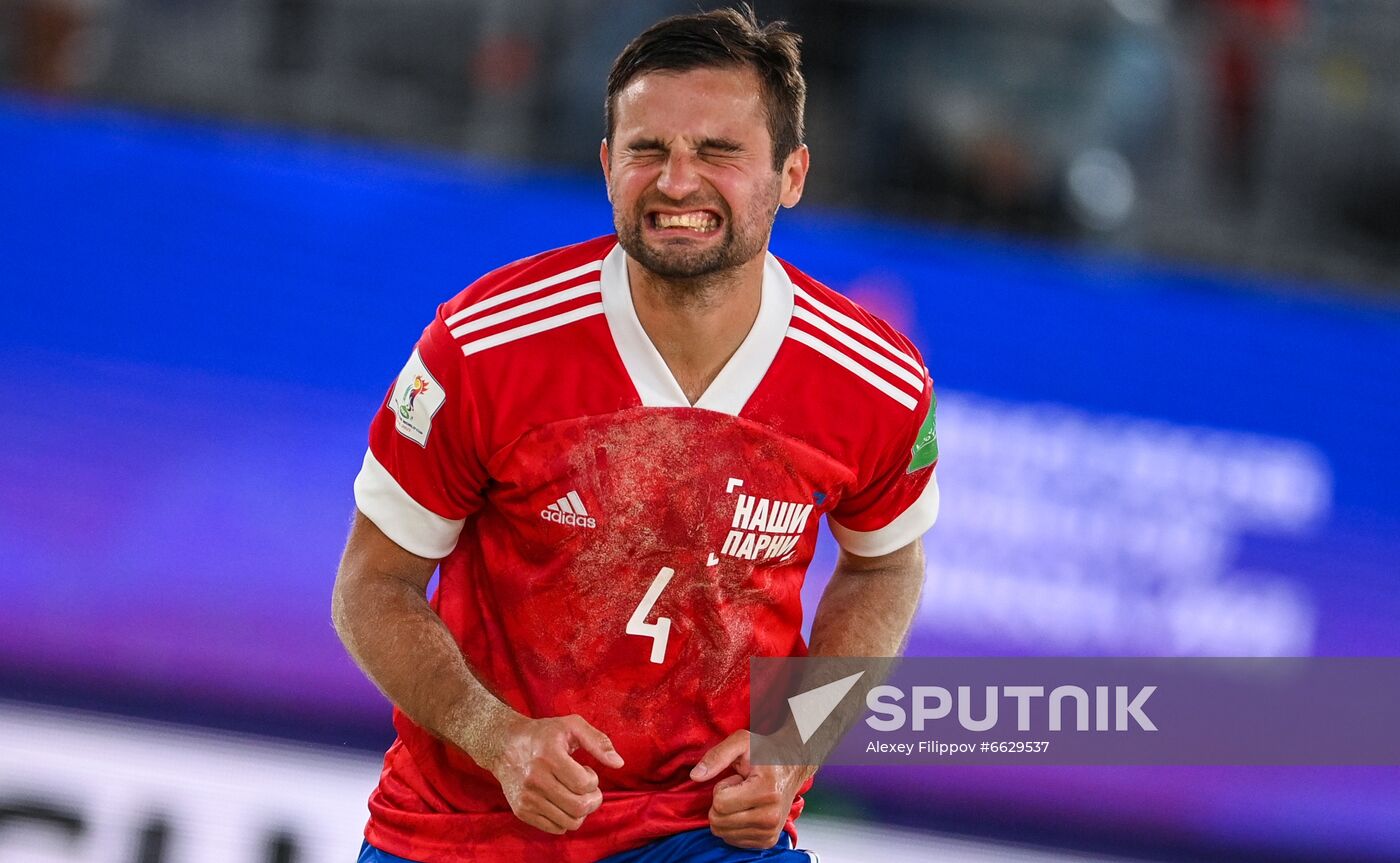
(569, 518)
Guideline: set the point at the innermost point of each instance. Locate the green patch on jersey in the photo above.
(925, 449)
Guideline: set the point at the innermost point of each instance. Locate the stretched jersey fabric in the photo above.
(609, 549)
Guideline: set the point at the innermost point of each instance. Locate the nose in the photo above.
(679, 177)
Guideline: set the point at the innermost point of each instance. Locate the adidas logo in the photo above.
(569, 510)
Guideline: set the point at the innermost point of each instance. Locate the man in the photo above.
(617, 453)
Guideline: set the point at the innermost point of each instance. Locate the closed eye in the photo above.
(646, 148)
(720, 146)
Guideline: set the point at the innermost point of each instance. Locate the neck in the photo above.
(697, 324)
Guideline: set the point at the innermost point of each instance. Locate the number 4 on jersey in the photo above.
(659, 631)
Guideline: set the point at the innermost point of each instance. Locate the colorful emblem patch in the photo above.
(416, 399)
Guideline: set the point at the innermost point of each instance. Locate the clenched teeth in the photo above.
(693, 221)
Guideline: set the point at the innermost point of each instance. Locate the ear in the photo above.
(794, 176)
(607, 169)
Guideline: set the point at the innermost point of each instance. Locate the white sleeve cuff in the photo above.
(907, 527)
(404, 520)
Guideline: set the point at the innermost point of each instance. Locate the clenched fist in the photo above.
(750, 809)
(545, 786)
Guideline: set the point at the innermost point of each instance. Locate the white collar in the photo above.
(731, 388)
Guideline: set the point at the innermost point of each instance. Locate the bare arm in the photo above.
(381, 613)
(869, 603)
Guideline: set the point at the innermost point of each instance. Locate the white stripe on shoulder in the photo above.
(515, 293)
(856, 326)
(534, 328)
(879, 359)
(523, 309)
(855, 368)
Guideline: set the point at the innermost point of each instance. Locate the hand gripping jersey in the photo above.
(612, 551)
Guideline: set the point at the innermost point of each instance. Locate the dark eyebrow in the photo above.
(646, 144)
(724, 145)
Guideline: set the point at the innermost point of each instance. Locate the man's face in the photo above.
(690, 171)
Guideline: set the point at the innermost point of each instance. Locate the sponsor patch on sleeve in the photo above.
(416, 399)
(925, 449)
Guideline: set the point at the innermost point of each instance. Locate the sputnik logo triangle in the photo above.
(811, 708)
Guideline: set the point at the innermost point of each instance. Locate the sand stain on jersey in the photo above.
(660, 478)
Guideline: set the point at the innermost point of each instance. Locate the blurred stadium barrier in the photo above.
(84, 788)
(1255, 132)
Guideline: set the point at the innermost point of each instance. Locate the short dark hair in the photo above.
(724, 38)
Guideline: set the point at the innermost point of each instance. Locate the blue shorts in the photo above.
(692, 846)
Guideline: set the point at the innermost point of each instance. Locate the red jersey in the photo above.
(610, 550)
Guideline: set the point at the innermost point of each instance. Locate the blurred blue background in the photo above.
(1140, 456)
